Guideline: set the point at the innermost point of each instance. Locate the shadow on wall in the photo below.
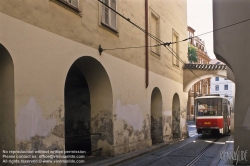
(7, 123)
(156, 116)
(176, 116)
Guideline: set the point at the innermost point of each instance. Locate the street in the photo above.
(196, 150)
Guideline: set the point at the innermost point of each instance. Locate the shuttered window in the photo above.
(108, 16)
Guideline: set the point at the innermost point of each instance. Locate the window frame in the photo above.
(70, 7)
(156, 54)
(216, 87)
(216, 79)
(174, 33)
(102, 22)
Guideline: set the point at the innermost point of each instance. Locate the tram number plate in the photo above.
(207, 123)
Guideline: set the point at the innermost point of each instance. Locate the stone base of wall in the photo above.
(167, 138)
(130, 147)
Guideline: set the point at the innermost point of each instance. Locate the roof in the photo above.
(205, 97)
(205, 66)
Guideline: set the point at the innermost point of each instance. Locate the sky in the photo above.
(200, 18)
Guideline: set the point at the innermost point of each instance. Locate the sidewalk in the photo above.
(229, 147)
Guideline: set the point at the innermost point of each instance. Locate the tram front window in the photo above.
(209, 107)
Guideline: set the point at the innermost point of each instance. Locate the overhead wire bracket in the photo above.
(100, 49)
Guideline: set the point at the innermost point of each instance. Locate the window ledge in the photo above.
(68, 6)
(176, 66)
(155, 55)
(109, 28)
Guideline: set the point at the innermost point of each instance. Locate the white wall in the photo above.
(222, 82)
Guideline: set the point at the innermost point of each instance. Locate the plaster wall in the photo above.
(231, 47)
(42, 60)
(86, 29)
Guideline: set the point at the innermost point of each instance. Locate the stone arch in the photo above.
(156, 116)
(88, 107)
(7, 113)
(176, 116)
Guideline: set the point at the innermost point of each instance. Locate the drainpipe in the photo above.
(146, 41)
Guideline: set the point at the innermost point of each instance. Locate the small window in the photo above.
(216, 78)
(217, 63)
(217, 87)
(226, 78)
(155, 31)
(175, 48)
(72, 3)
(108, 16)
(225, 87)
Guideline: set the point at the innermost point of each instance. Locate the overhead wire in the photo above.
(121, 48)
(165, 44)
(212, 31)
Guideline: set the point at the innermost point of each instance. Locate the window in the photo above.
(225, 78)
(217, 87)
(108, 16)
(154, 30)
(216, 78)
(225, 87)
(175, 49)
(74, 3)
(71, 5)
(209, 107)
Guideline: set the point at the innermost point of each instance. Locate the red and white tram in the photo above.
(212, 114)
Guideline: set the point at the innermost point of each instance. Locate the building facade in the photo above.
(222, 86)
(201, 87)
(57, 89)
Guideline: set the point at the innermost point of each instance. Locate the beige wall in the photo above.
(43, 51)
(85, 29)
(231, 46)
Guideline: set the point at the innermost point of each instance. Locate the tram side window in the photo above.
(226, 107)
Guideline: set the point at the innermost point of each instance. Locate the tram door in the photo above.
(225, 115)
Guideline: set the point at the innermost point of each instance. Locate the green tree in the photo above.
(192, 54)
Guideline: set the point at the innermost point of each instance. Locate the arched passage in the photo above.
(7, 119)
(156, 116)
(176, 116)
(88, 107)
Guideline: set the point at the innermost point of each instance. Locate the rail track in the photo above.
(157, 158)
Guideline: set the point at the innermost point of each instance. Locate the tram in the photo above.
(213, 114)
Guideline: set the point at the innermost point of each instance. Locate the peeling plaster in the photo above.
(167, 125)
(156, 130)
(128, 134)
(131, 114)
(102, 123)
(30, 122)
(183, 119)
(246, 122)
